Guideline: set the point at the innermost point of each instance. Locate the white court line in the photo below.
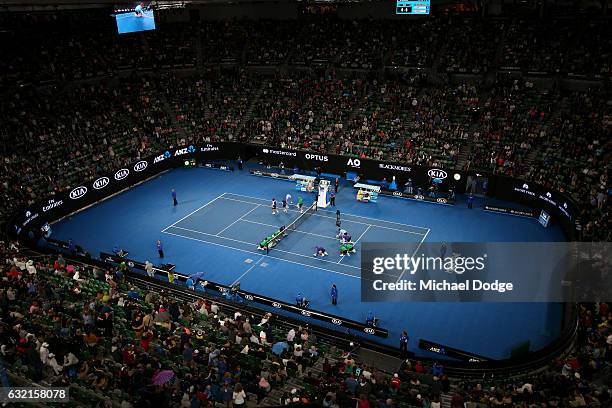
(333, 218)
(247, 271)
(194, 211)
(269, 256)
(413, 254)
(276, 226)
(361, 236)
(255, 244)
(352, 215)
(239, 219)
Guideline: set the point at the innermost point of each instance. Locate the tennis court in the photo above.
(240, 222)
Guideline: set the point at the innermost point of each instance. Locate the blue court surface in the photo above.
(222, 216)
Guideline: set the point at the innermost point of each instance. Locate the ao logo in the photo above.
(121, 174)
(397, 193)
(368, 330)
(337, 321)
(526, 186)
(78, 192)
(354, 163)
(141, 165)
(437, 173)
(276, 305)
(101, 183)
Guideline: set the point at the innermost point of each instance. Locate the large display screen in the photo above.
(412, 7)
(132, 19)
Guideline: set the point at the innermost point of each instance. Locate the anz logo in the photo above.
(78, 192)
(276, 305)
(121, 174)
(101, 183)
(336, 321)
(437, 173)
(185, 150)
(141, 165)
(162, 157)
(368, 330)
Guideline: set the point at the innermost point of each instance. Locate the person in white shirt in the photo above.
(291, 335)
(289, 199)
(149, 269)
(239, 396)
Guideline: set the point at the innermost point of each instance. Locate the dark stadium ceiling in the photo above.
(72, 4)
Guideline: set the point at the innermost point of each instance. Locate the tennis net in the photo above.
(292, 227)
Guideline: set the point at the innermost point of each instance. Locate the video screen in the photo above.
(134, 18)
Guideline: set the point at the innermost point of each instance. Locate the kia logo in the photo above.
(78, 192)
(141, 165)
(101, 183)
(276, 305)
(275, 175)
(397, 193)
(305, 313)
(121, 174)
(441, 200)
(419, 197)
(437, 173)
(337, 321)
(248, 297)
(368, 330)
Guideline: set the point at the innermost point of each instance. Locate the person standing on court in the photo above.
(470, 201)
(336, 184)
(160, 248)
(332, 199)
(404, 344)
(239, 161)
(334, 294)
(173, 191)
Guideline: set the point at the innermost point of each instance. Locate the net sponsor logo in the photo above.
(354, 163)
(398, 194)
(51, 204)
(249, 297)
(442, 200)
(121, 174)
(337, 322)
(305, 313)
(276, 305)
(78, 192)
(101, 183)
(317, 157)
(437, 173)
(368, 330)
(279, 152)
(162, 157)
(394, 167)
(141, 166)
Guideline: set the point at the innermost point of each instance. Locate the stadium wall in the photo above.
(26, 223)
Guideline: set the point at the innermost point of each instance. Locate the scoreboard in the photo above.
(412, 7)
